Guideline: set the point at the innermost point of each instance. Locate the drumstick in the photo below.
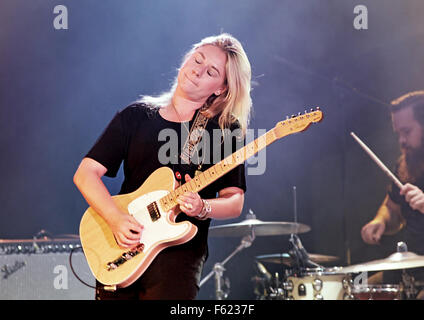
(378, 161)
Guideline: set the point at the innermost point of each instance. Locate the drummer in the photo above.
(403, 209)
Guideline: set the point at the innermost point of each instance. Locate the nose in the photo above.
(402, 140)
(195, 72)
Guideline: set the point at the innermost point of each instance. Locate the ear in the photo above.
(220, 90)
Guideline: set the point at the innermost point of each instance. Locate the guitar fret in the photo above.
(198, 181)
(192, 186)
(218, 169)
(271, 136)
(206, 175)
(250, 150)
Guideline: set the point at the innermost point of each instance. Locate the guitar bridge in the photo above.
(125, 257)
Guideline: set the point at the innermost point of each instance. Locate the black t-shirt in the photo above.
(414, 229)
(137, 136)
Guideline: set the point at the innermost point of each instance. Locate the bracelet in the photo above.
(206, 210)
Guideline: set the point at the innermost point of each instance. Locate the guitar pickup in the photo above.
(154, 211)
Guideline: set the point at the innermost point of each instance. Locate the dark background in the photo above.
(59, 89)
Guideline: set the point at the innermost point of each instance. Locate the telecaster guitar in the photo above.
(154, 206)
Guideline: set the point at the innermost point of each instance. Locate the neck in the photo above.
(185, 107)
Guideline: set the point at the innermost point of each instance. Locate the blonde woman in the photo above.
(213, 81)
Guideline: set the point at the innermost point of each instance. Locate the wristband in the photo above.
(206, 210)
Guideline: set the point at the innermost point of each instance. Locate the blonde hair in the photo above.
(235, 103)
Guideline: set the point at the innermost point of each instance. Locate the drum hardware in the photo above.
(317, 284)
(408, 285)
(305, 279)
(276, 290)
(267, 285)
(408, 282)
(222, 288)
(261, 268)
(300, 255)
(248, 229)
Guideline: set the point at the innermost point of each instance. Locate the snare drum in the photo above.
(318, 284)
(377, 292)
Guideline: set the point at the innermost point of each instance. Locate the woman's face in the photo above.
(203, 74)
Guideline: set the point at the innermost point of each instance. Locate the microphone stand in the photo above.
(299, 252)
(218, 269)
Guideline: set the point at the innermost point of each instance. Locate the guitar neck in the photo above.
(215, 172)
(283, 128)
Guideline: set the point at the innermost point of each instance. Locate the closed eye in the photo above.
(211, 73)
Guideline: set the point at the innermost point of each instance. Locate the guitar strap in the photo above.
(193, 140)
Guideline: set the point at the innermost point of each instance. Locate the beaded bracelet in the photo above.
(206, 210)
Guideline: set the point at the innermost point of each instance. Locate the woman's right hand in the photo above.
(126, 229)
(371, 233)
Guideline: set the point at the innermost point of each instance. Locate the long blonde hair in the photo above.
(235, 103)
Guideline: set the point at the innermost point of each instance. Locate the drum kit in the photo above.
(303, 275)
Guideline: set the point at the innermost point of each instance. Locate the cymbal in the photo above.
(285, 258)
(260, 228)
(397, 260)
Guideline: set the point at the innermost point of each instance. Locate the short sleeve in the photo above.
(109, 149)
(393, 193)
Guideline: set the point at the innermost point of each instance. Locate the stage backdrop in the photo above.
(63, 78)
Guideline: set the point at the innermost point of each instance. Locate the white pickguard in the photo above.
(154, 231)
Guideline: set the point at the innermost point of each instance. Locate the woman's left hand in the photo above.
(190, 203)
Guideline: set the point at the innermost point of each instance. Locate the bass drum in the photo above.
(318, 284)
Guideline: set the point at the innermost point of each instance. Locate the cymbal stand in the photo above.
(408, 282)
(218, 269)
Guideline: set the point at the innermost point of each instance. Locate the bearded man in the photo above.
(403, 209)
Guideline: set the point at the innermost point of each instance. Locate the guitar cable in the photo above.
(72, 268)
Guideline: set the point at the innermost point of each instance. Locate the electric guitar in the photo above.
(154, 205)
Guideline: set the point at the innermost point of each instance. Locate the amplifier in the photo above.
(41, 269)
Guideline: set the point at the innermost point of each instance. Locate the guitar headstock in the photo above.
(298, 123)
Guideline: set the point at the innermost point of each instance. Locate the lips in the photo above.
(190, 79)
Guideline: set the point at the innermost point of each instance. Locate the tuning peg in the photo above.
(298, 114)
(312, 109)
(293, 116)
(287, 117)
(318, 108)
